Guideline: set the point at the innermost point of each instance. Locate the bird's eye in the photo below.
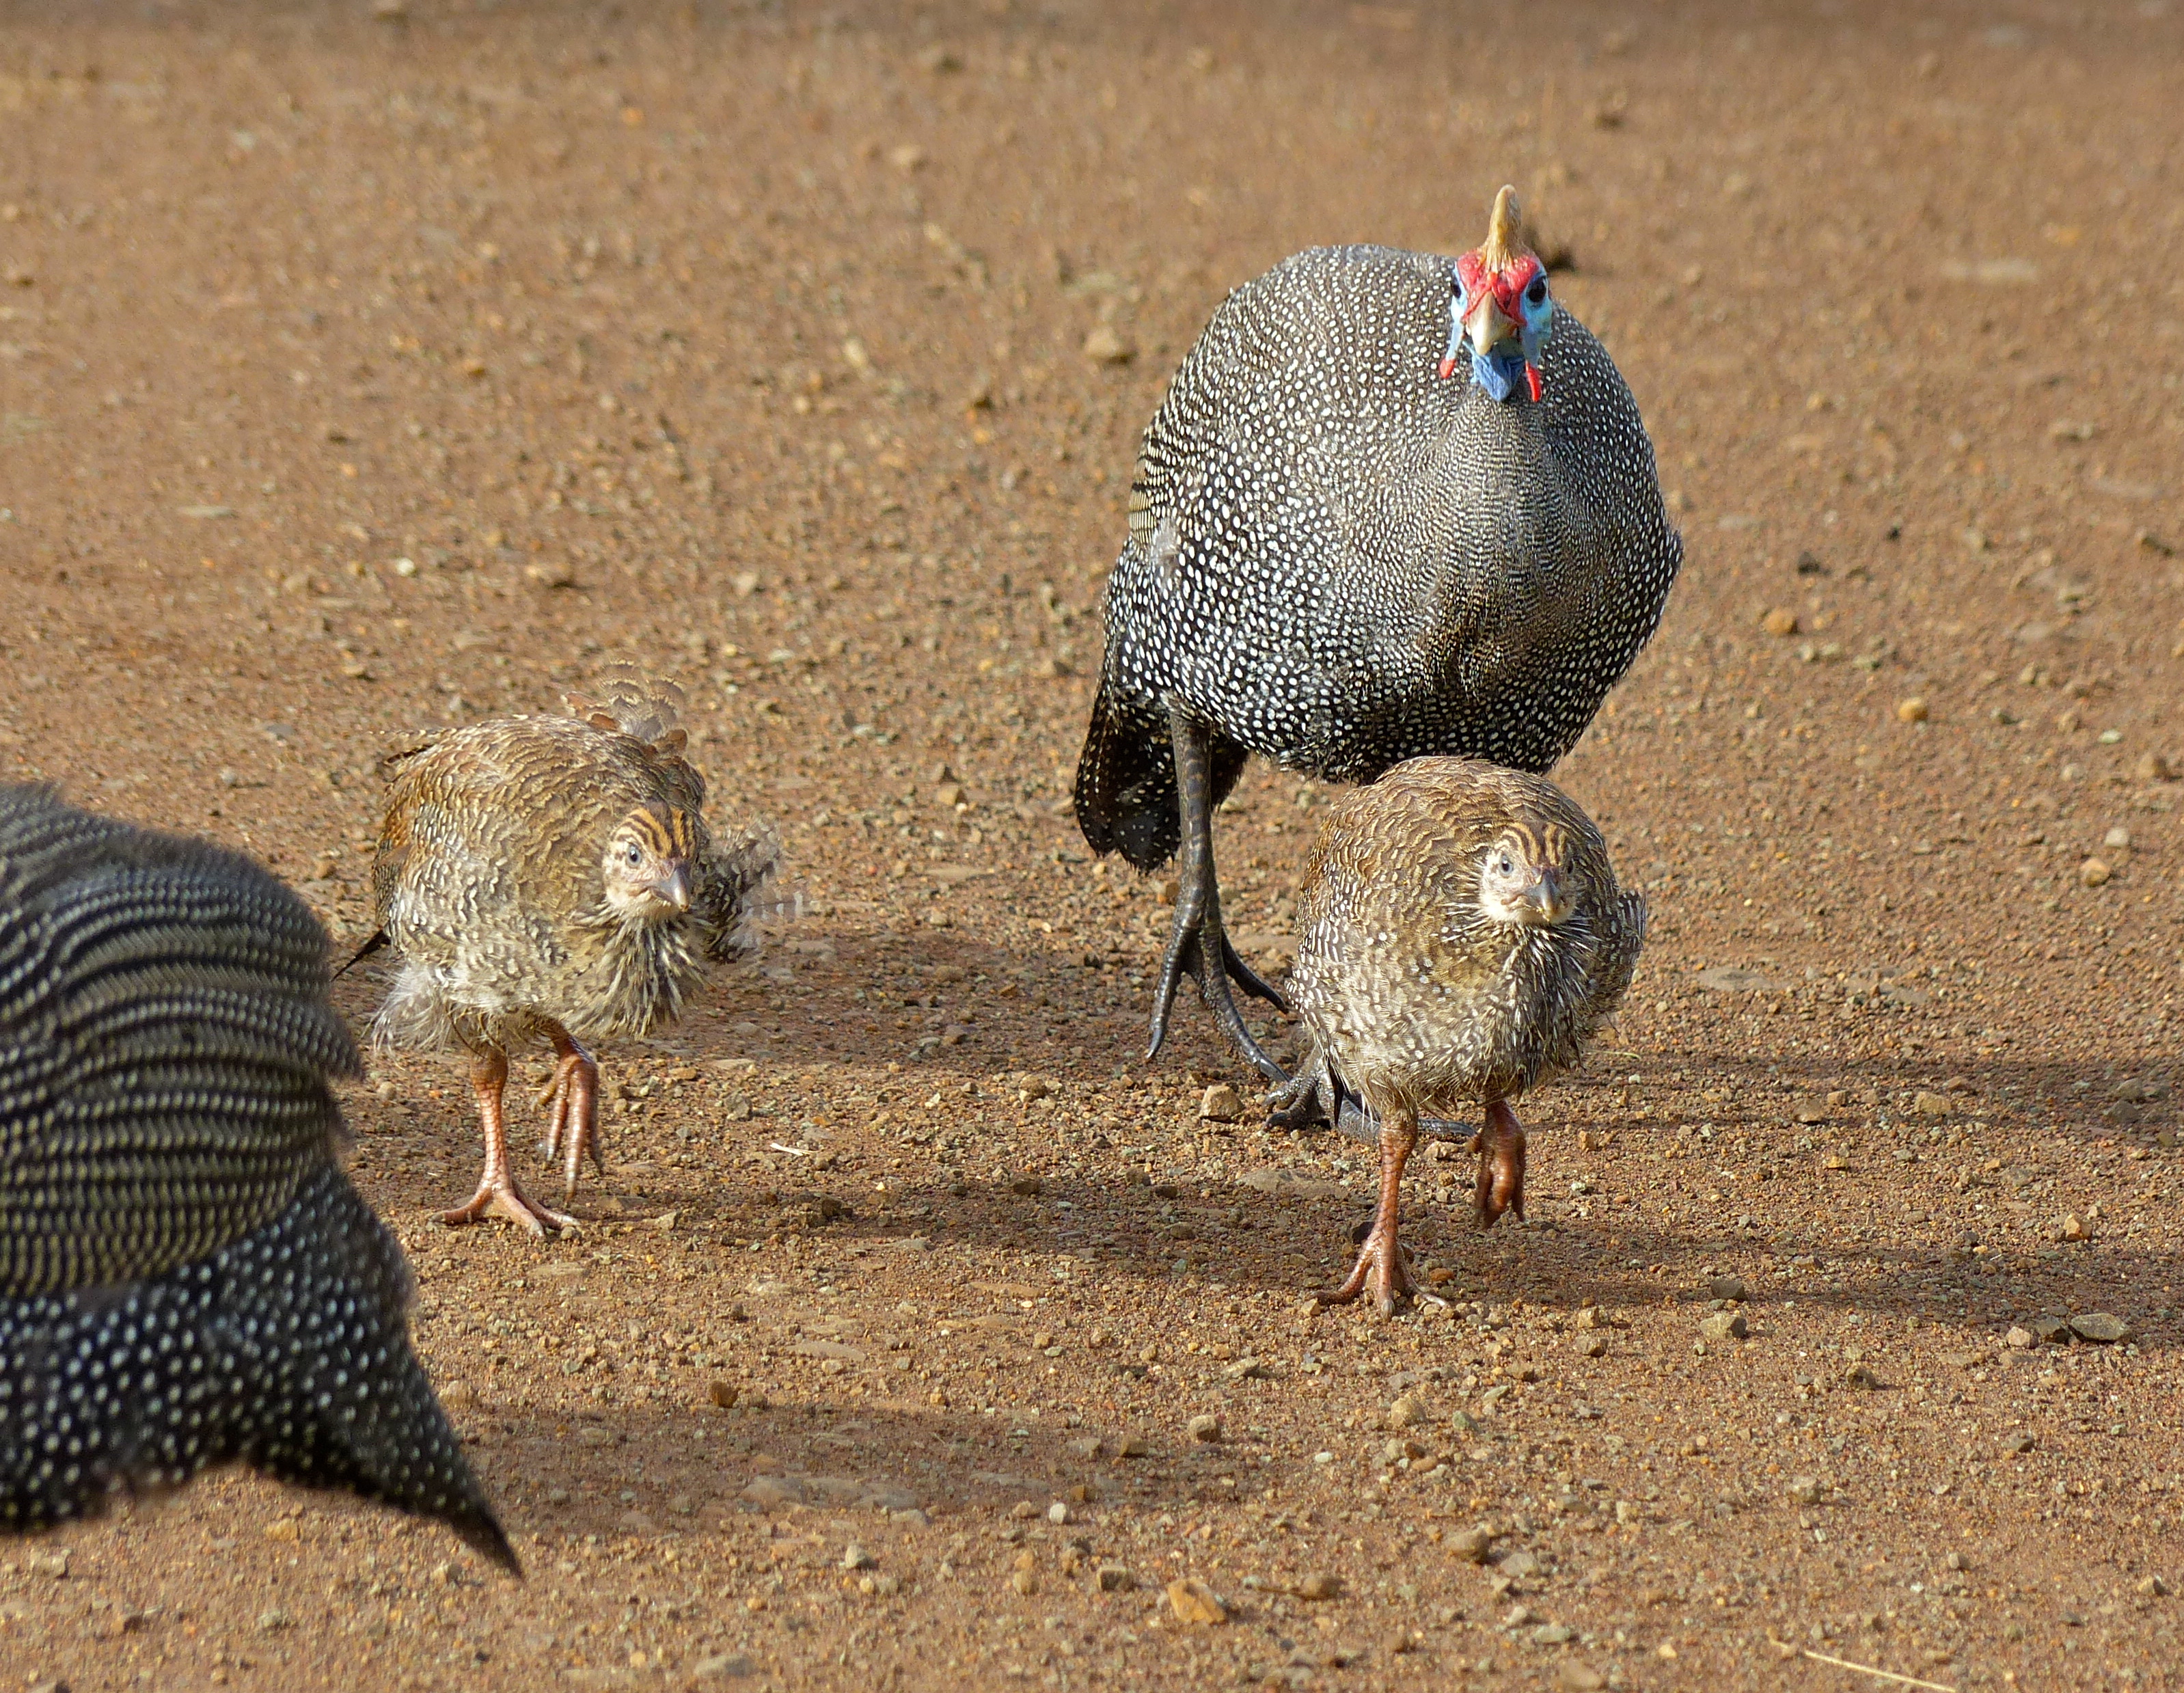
(1506, 865)
(1538, 291)
(633, 854)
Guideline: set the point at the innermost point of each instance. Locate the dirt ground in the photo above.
(372, 365)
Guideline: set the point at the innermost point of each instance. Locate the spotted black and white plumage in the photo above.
(187, 1276)
(1338, 559)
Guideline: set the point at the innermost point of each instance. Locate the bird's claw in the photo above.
(1500, 1186)
(1383, 1265)
(500, 1197)
(572, 1123)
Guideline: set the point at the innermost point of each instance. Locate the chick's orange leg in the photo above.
(573, 1130)
(498, 1195)
(1501, 1148)
(1380, 1263)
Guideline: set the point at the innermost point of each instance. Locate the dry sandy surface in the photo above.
(365, 372)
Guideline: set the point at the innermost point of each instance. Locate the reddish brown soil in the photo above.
(749, 340)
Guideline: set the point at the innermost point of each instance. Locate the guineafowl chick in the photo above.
(1460, 935)
(1393, 505)
(554, 879)
(187, 1276)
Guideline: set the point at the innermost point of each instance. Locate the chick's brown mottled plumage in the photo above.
(1459, 935)
(554, 878)
(187, 1278)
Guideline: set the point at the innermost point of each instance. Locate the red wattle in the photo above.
(1532, 381)
(1447, 369)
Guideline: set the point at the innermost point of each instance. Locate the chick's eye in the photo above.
(1506, 865)
(633, 854)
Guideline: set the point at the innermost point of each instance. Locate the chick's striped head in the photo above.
(647, 868)
(1500, 307)
(1526, 874)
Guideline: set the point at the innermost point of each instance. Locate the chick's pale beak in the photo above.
(672, 887)
(1487, 325)
(1546, 897)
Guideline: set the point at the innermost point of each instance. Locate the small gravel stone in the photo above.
(2019, 1338)
(1471, 1545)
(1580, 1677)
(1927, 1104)
(53, 1564)
(2099, 1326)
(1913, 710)
(1406, 1413)
(723, 1667)
(1805, 1490)
(2094, 874)
(1591, 1345)
(2054, 1330)
(1553, 1634)
(1519, 1565)
(1727, 1288)
(2153, 1587)
(1057, 1513)
(1206, 1429)
(2071, 1228)
(1725, 1325)
(1116, 1579)
(855, 1556)
(1132, 1446)
(1777, 622)
(1194, 1601)
(1320, 1585)
(1220, 1103)
(1103, 346)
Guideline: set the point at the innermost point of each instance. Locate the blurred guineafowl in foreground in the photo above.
(1391, 506)
(187, 1278)
(1459, 935)
(553, 878)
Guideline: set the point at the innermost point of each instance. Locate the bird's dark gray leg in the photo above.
(1197, 944)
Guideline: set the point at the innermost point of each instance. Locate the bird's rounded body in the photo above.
(1411, 989)
(187, 1276)
(1338, 559)
(488, 884)
(553, 878)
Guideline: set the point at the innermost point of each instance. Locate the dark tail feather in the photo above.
(1126, 797)
(377, 942)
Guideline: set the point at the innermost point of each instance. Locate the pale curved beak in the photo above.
(672, 887)
(1547, 898)
(1487, 325)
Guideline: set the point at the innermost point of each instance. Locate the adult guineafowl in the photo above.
(187, 1278)
(1391, 506)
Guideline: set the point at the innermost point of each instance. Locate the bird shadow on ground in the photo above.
(865, 1465)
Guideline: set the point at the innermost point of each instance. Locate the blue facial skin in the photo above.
(1500, 373)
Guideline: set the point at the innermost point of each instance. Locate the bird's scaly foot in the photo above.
(572, 1102)
(498, 1196)
(1501, 1148)
(1383, 1265)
